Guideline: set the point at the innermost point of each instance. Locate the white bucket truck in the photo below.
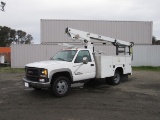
(79, 64)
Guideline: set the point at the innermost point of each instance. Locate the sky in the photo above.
(26, 14)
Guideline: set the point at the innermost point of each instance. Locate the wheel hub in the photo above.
(62, 87)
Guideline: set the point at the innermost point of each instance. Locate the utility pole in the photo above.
(2, 6)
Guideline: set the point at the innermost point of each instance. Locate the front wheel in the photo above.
(61, 86)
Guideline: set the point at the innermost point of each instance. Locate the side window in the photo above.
(81, 54)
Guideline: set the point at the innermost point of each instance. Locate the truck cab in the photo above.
(74, 64)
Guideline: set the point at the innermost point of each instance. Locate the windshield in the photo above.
(66, 55)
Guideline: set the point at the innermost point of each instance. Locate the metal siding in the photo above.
(23, 54)
(144, 55)
(139, 32)
(52, 50)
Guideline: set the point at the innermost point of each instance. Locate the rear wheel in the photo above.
(61, 86)
(115, 80)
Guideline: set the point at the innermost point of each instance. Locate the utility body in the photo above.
(75, 64)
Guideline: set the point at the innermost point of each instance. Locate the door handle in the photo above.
(92, 64)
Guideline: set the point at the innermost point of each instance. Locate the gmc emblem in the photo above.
(30, 72)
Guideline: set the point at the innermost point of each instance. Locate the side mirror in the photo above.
(85, 60)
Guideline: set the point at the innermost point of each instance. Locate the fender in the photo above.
(119, 67)
(60, 70)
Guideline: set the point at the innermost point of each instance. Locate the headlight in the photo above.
(44, 73)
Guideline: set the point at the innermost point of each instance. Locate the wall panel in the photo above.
(140, 32)
(143, 55)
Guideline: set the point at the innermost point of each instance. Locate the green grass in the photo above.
(147, 68)
(12, 70)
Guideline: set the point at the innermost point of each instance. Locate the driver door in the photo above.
(83, 71)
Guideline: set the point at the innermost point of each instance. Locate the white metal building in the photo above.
(139, 32)
(53, 32)
(143, 55)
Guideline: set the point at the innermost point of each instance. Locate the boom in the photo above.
(86, 37)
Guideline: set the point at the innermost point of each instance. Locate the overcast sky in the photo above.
(26, 14)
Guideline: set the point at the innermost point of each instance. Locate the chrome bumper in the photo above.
(36, 84)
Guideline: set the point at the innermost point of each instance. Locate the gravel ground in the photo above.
(136, 99)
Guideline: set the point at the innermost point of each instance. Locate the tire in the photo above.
(115, 80)
(61, 86)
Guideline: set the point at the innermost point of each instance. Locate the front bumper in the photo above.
(36, 84)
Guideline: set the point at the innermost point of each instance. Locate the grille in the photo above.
(32, 74)
(32, 71)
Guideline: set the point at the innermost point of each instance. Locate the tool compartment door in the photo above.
(104, 67)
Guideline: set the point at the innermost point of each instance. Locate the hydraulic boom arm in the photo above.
(86, 37)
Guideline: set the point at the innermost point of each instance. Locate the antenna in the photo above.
(2, 5)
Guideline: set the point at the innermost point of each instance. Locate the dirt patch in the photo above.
(137, 98)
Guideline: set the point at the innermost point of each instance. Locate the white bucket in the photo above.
(1, 59)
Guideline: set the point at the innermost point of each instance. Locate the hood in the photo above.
(44, 64)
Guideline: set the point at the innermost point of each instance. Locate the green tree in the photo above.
(154, 40)
(9, 36)
(158, 42)
(5, 36)
(21, 37)
(12, 35)
(28, 39)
